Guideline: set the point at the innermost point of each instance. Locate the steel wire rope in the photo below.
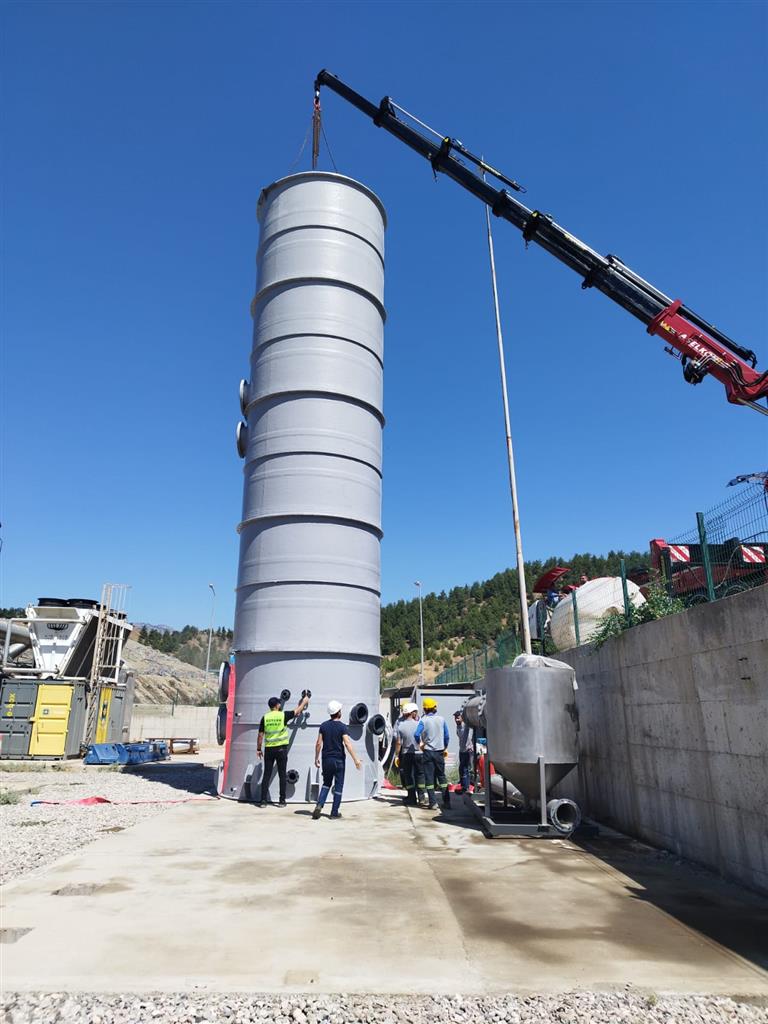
(303, 147)
(327, 146)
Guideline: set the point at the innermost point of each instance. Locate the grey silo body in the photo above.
(308, 596)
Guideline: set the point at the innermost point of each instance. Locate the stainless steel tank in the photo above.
(529, 711)
(308, 596)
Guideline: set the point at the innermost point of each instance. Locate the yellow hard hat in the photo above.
(429, 704)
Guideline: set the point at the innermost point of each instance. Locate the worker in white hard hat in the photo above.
(334, 744)
(408, 756)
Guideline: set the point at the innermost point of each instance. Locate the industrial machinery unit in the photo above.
(62, 682)
(308, 593)
(528, 716)
(701, 347)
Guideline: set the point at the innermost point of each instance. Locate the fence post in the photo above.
(705, 556)
(541, 617)
(625, 591)
(575, 606)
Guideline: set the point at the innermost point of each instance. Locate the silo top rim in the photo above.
(291, 179)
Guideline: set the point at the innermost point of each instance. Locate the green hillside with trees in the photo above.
(467, 618)
(189, 644)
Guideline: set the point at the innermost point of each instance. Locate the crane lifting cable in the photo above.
(316, 126)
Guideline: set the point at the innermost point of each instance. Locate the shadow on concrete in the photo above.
(726, 913)
(185, 776)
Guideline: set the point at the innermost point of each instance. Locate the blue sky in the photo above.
(137, 138)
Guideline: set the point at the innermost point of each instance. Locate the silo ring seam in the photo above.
(303, 451)
(296, 282)
(278, 435)
(307, 517)
(259, 345)
(358, 402)
(315, 227)
(265, 584)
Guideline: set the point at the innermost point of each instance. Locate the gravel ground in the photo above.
(207, 1008)
(33, 837)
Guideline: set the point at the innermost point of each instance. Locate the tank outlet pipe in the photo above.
(221, 724)
(564, 815)
(359, 714)
(292, 776)
(474, 712)
(285, 696)
(377, 725)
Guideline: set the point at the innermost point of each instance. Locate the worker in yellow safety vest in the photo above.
(274, 738)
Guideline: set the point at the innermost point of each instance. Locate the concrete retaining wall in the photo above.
(180, 720)
(674, 734)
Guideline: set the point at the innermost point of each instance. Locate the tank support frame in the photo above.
(509, 822)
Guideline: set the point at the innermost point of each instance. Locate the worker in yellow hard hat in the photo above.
(432, 733)
(408, 755)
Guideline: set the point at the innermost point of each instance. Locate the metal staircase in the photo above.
(108, 648)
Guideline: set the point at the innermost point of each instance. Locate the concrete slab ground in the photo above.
(224, 896)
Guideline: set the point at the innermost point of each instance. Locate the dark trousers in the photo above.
(274, 756)
(434, 774)
(333, 775)
(465, 762)
(411, 771)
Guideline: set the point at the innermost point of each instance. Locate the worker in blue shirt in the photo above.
(432, 733)
(334, 744)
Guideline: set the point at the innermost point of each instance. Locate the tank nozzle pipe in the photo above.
(377, 725)
(564, 815)
(474, 712)
(359, 714)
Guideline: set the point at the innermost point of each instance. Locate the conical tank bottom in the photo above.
(525, 777)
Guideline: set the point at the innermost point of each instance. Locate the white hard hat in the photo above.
(334, 707)
(409, 708)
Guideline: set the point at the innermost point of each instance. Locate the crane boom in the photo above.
(703, 349)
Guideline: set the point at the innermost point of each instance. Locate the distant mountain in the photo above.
(150, 627)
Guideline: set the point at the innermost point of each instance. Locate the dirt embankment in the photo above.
(163, 679)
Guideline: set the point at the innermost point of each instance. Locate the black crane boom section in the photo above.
(606, 273)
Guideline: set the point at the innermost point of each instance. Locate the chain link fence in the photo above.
(724, 551)
(502, 651)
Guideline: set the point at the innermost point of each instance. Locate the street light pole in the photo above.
(417, 583)
(210, 632)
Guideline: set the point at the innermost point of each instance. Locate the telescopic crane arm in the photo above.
(701, 347)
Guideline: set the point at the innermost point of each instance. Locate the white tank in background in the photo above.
(594, 600)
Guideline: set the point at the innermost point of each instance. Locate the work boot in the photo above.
(282, 803)
(336, 815)
(317, 812)
(263, 803)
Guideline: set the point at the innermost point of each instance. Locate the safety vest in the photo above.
(275, 730)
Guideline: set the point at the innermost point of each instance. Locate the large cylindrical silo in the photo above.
(308, 596)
